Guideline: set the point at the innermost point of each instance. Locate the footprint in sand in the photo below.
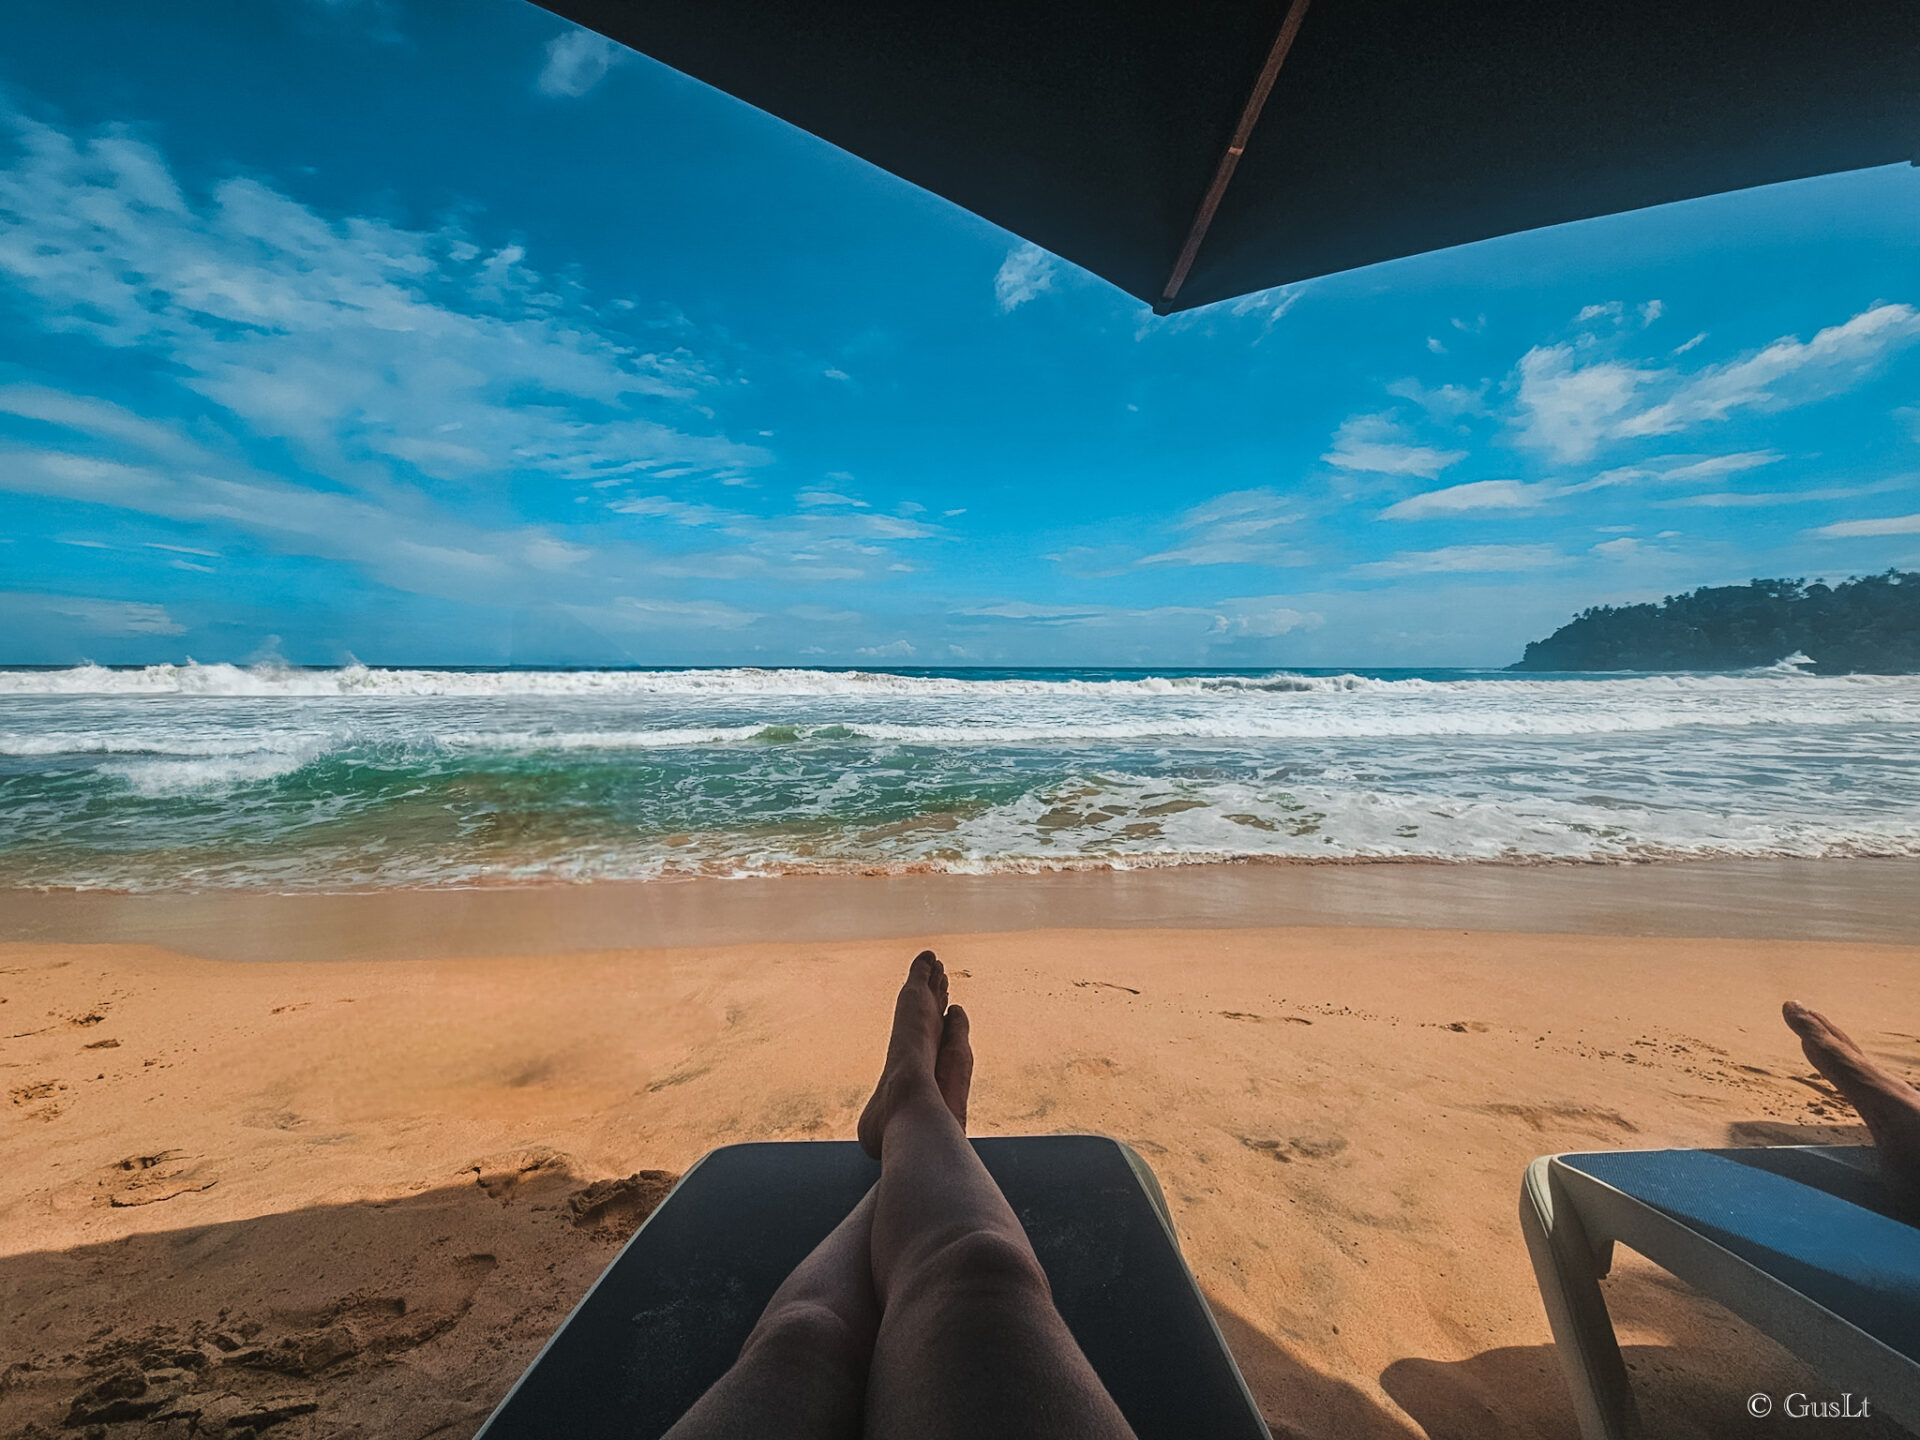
(1301, 1147)
(1103, 985)
(513, 1174)
(151, 1179)
(1589, 1118)
(40, 1099)
(616, 1207)
(1091, 1065)
(1262, 1019)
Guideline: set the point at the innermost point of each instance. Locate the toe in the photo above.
(956, 1028)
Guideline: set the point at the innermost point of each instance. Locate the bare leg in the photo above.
(802, 1375)
(970, 1345)
(1889, 1105)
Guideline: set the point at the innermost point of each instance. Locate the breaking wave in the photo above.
(223, 775)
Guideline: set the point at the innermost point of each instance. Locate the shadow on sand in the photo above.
(399, 1319)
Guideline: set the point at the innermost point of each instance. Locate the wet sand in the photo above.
(1875, 900)
(351, 1196)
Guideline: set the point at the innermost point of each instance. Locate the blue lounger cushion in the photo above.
(1818, 1220)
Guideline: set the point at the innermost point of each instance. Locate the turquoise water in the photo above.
(353, 778)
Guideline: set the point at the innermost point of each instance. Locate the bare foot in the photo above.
(912, 1049)
(1889, 1105)
(953, 1065)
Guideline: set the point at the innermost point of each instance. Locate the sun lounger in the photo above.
(670, 1313)
(1802, 1242)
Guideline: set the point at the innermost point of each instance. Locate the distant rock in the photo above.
(1870, 624)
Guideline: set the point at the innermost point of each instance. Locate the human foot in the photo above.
(913, 1049)
(1890, 1106)
(953, 1064)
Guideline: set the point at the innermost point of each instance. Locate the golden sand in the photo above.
(346, 1198)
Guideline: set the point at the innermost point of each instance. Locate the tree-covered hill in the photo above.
(1870, 623)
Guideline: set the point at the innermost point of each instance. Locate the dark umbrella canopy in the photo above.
(1193, 152)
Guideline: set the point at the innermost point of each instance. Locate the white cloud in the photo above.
(355, 342)
(1453, 559)
(1376, 445)
(1025, 610)
(1027, 271)
(665, 507)
(892, 650)
(412, 377)
(1680, 469)
(1715, 466)
(577, 60)
(1266, 306)
(1249, 617)
(818, 498)
(1477, 495)
(1729, 499)
(1570, 408)
(1858, 529)
(628, 612)
(1442, 402)
(1624, 547)
(96, 617)
(1787, 372)
(1263, 622)
(1236, 528)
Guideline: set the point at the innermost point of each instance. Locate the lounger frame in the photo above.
(1572, 1222)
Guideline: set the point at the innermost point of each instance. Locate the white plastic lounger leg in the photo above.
(1568, 1269)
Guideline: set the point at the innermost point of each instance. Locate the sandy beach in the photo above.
(349, 1192)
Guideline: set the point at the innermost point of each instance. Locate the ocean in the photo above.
(201, 776)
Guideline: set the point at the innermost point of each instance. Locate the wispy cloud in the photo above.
(1377, 445)
(1028, 271)
(360, 344)
(1860, 529)
(411, 376)
(104, 618)
(1445, 403)
(1787, 372)
(1569, 406)
(578, 60)
(1680, 469)
(1733, 499)
(1260, 313)
(1477, 495)
(1240, 618)
(1237, 528)
(1453, 559)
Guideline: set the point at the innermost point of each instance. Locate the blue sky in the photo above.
(448, 334)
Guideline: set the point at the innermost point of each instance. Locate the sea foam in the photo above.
(216, 774)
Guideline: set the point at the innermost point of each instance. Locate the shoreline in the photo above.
(1846, 900)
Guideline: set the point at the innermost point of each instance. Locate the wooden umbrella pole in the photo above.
(1223, 172)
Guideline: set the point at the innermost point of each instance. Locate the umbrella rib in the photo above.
(1230, 159)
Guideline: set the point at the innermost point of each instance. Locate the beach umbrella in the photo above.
(1193, 152)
